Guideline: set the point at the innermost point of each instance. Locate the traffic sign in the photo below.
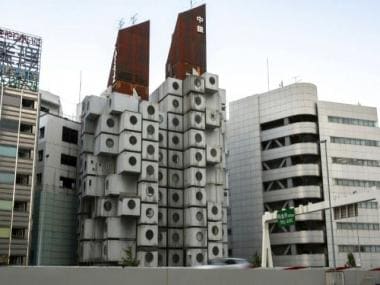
(286, 217)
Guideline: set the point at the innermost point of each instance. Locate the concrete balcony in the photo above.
(300, 192)
(294, 149)
(291, 171)
(291, 129)
(316, 260)
(300, 237)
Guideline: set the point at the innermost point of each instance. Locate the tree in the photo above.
(351, 260)
(129, 260)
(255, 260)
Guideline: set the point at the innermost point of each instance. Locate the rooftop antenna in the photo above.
(296, 78)
(134, 19)
(80, 85)
(268, 72)
(121, 23)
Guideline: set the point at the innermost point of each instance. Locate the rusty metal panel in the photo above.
(188, 46)
(130, 64)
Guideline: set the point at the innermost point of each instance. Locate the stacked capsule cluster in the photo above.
(193, 195)
(152, 176)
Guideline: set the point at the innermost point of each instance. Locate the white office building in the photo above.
(277, 160)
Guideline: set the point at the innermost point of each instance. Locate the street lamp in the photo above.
(330, 210)
(357, 234)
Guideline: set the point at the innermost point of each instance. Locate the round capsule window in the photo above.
(212, 80)
(175, 158)
(215, 230)
(110, 123)
(175, 237)
(175, 140)
(213, 152)
(197, 82)
(149, 191)
(160, 196)
(214, 210)
(131, 204)
(175, 85)
(109, 143)
(199, 216)
(150, 149)
(160, 176)
(175, 122)
(160, 137)
(175, 217)
(150, 170)
(175, 103)
(175, 197)
(215, 250)
(107, 206)
(198, 176)
(198, 100)
(198, 156)
(160, 259)
(175, 258)
(159, 216)
(198, 118)
(199, 236)
(133, 120)
(151, 110)
(149, 234)
(198, 137)
(132, 160)
(199, 196)
(199, 257)
(149, 213)
(150, 130)
(132, 140)
(148, 257)
(160, 157)
(175, 178)
(160, 118)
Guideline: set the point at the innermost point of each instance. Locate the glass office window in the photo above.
(6, 178)
(5, 205)
(8, 151)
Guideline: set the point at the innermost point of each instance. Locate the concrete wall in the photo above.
(177, 276)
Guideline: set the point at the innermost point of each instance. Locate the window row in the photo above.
(353, 141)
(355, 248)
(358, 226)
(357, 183)
(15, 101)
(8, 178)
(352, 121)
(64, 182)
(368, 205)
(356, 161)
(68, 135)
(12, 126)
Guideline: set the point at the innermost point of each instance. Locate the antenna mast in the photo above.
(134, 19)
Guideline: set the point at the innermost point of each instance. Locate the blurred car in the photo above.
(228, 262)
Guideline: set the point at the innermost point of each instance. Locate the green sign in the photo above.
(286, 217)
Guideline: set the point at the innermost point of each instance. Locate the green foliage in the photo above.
(255, 260)
(351, 260)
(129, 260)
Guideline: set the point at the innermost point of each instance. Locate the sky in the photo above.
(333, 44)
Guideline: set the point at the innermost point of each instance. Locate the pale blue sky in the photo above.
(333, 44)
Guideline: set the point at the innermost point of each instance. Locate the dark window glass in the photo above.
(27, 103)
(66, 182)
(11, 100)
(40, 155)
(8, 125)
(42, 133)
(39, 178)
(69, 135)
(68, 160)
(26, 128)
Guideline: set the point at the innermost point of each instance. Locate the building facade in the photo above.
(19, 106)
(153, 175)
(54, 232)
(275, 162)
